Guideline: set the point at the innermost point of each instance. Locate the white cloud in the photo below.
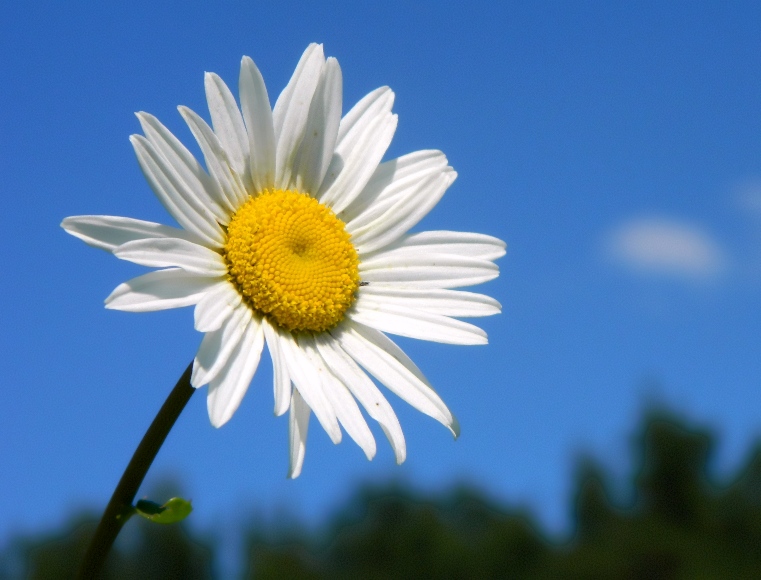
(659, 246)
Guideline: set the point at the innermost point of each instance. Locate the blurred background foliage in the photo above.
(674, 519)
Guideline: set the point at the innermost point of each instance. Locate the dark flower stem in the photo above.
(119, 509)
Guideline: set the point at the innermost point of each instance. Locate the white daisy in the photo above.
(295, 235)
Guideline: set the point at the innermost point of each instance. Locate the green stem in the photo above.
(120, 507)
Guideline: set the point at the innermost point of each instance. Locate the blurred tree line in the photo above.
(678, 522)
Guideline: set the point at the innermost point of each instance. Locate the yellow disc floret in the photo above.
(291, 258)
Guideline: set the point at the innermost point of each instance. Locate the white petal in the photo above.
(387, 363)
(216, 307)
(466, 244)
(227, 389)
(291, 109)
(446, 302)
(307, 381)
(319, 141)
(227, 123)
(171, 252)
(340, 398)
(413, 323)
(217, 346)
(174, 196)
(231, 186)
(202, 186)
(107, 232)
(426, 271)
(363, 137)
(407, 209)
(360, 385)
(298, 426)
(161, 290)
(281, 379)
(394, 176)
(257, 114)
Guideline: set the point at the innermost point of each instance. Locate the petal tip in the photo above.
(195, 377)
(454, 427)
(293, 474)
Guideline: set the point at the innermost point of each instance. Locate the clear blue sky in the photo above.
(616, 147)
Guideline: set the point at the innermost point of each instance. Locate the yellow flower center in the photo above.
(291, 258)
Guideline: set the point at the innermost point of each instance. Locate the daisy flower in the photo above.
(295, 235)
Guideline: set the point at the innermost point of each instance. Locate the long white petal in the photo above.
(363, 137)
(360, 385)
(406, 211)
(172, 252)
(281, 380)
(291, 109)
(108, 232)
(387, 363)
(216, 307)
(182, 206)
(228, 123)
(298, 425)
(227, 389)
(257, 114)
(217, 346)
(340, 398)
(426, 271)
(436, 301)
(413, 323)
(307, 381)
(321, 130)
(393, 177)
(466, 244)
(161, 290)
(231, 186)
(199, 183)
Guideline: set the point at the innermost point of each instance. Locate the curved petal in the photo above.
(257, 114)
(298, 425)
(291, 109)
(193, 176)
(173, 252)
(161, 290)
(227, 123)
(426, 271)
(466, 244)
(108, 232)
(387, 363)
(436, 301)
(217, 346)
(392, 177)
(340, 398)
(360, 385)
(413, 323)
(231, 186)
(227, 389)
(371, 232)
(281, 380)
(363, 137)
(174, 196)
(321, 130)
(216, 307)
(307, 381)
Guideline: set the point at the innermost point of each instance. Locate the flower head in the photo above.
(296, 235)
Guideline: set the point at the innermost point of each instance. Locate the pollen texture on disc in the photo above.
(291, 259)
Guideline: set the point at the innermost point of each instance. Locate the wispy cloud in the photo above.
(664, 247)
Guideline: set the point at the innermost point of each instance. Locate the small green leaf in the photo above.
(173, 511)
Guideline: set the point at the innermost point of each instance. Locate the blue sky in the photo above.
(615, 147)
